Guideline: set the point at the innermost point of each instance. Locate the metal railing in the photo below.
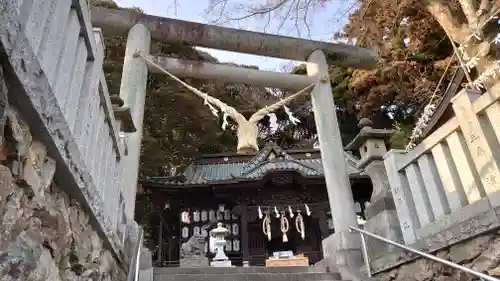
(133, 270)
(362, 233)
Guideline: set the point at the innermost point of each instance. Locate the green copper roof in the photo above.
(271, 158)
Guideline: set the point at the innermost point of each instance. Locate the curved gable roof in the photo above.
(271, 158)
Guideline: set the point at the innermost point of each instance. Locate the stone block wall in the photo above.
(481, 253)
(44, 233)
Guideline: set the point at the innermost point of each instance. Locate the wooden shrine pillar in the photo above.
(244, 236)
(323, 224)
(160, 243)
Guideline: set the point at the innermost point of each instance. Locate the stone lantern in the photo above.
(380, 213)
(219, 242)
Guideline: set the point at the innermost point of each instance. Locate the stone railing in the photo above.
(97, 135)
(58, 84)
(452, 179)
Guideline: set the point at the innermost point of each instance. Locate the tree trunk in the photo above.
(457, 30)
(472, 33)
(470, 12)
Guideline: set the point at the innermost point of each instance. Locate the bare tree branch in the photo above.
(286, 16)
(223, 8)
(297, 16)
(175, 5)
(304, 19)
(279, 13)
(261, 10)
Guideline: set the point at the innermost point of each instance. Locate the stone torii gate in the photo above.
(342, 248)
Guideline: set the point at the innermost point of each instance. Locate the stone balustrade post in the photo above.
(403, 199)
(380, 213)
(480, 143)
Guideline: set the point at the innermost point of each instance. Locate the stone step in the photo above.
(238, 270)
(248, 277)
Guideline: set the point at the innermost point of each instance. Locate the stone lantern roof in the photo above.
(366, 133)
(220, 230)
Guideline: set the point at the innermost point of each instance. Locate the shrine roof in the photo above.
(233, 168)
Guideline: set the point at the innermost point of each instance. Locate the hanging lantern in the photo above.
(260, 212)
(299, 225)
(196, 216)
(276, 212)
(185, 217)
(308, 212)
(284, 225)
(266, 227)
(290, 211)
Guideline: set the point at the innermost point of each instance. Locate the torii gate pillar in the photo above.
(133, 93)
(343, 247)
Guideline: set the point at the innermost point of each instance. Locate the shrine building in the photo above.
(239, 191)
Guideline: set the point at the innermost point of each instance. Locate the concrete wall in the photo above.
(459, 234)
(481, 253)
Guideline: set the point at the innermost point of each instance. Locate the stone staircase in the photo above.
(257, 273)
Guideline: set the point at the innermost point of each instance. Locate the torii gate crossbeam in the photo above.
(119, 22)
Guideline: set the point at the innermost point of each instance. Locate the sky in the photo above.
(324, 21)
